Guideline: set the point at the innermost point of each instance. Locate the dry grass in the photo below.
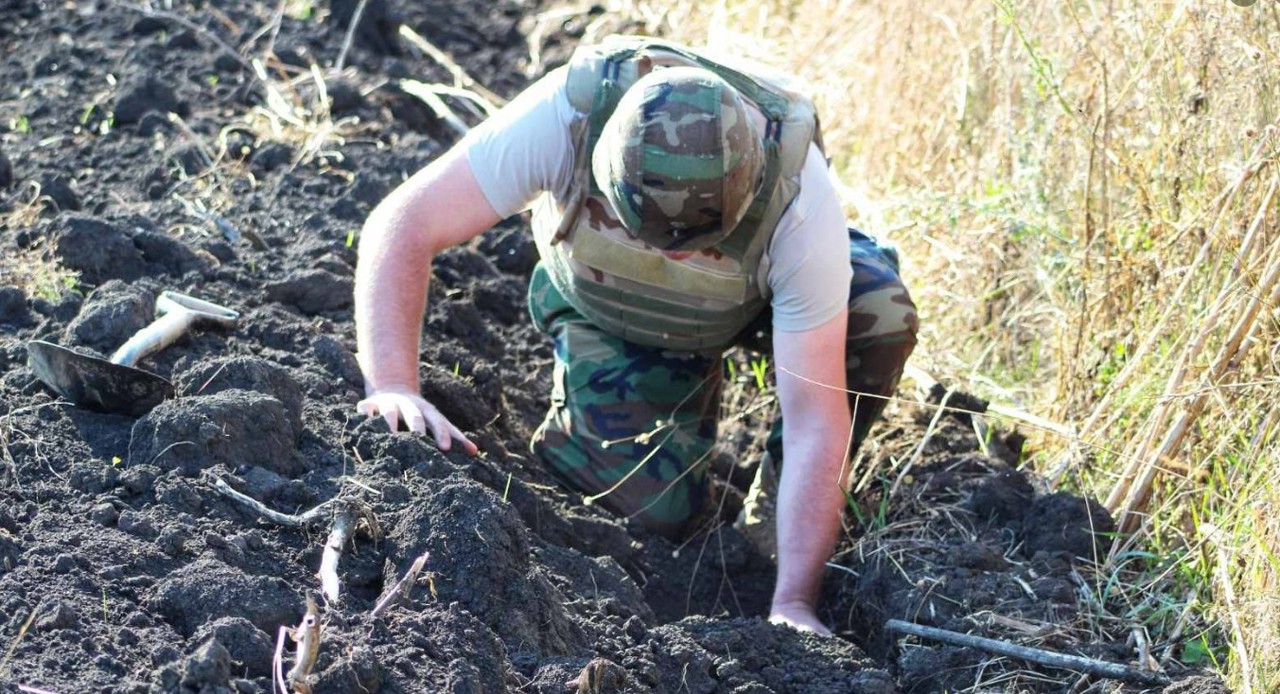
(34, 269)
(1085, 194)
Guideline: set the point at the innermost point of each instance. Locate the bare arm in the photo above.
(439, 207)
(815, 434)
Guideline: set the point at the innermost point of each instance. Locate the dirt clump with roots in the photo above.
(212, 150)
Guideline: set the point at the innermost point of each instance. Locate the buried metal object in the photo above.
(115, 384)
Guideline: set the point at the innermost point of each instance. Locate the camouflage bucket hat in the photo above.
(679, 160)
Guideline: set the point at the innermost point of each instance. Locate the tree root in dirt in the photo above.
(347, 518)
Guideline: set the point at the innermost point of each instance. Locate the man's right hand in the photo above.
(395, 404)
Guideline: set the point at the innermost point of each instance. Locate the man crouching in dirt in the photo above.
(683, 208)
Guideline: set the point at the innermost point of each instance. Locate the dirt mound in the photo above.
(144, 156)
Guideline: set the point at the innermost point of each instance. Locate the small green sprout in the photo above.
(760, 367)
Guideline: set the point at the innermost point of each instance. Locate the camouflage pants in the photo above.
(635, 425)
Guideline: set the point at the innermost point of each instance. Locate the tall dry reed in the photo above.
(1086, 199)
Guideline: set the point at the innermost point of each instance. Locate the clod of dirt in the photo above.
(481, 550)
(1064, 523)
(1205, 684)
(271, 156)
(207, 668)
(337, 360)
(248, 647)
(459, 400)
(191, 159)
(206, 671)
(512, 250)
(344, 95)
(150, 94)
(56, 614)
(207, 590)
(13, 306)
(1000, 497)
(233, 428)
(977, 556)
(97, 250)
(6, 170)
(60, 191)
(944, 669)
(111, 315)
(245, 373)
(713, 656)
(313, 291)
(167, 255)
(377, 28)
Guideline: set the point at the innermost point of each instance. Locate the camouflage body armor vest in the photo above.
(630, 289)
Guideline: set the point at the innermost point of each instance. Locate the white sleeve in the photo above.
(809, 271)
(525, 148)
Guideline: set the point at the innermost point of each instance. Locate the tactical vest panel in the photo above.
(630, 289)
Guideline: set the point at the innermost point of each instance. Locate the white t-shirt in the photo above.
(526, 149)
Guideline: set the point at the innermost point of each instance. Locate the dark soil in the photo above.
(124, 569)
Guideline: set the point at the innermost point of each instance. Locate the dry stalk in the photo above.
(184, 22)
(910, 463)
(351, 34)
(1156, 421)
(460, 76)
(400, 591)
(428, 96)
(22, 631)
(1223, 577)
(1267, 293)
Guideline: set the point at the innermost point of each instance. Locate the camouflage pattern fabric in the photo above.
(679, 160)
(636, 424)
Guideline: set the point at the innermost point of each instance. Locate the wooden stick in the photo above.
(294, 521)
(344, 522)
(1063, 661)
(401, 589)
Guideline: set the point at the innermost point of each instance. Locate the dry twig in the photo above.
(400, 591)
(460, 76)
(294, 521)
